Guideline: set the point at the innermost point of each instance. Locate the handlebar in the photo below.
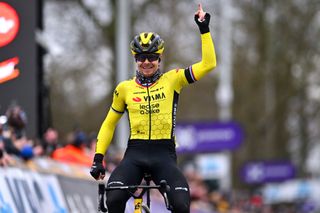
(163, 187)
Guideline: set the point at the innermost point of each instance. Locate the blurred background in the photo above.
(248, 133)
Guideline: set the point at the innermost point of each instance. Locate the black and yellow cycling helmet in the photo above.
(147, 42)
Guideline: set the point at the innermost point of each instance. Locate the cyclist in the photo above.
(150, 99)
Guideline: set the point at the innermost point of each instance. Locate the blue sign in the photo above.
(264, 172)
(208, 137)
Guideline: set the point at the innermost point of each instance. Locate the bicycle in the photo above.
(139, 205)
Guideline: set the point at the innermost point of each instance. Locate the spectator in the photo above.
(13, 134)
(17, 119)
(256, 200)
(220, 201)
(75, 151)
(9, 141)
(50, 141)
(14, 140)
(22, 147)
(198, 189)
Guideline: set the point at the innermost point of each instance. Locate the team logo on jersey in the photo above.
(158, 96)
(136, 99)
(116, 93)
(149, 108)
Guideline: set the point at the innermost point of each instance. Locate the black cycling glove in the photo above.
(97, 167)
(203, 25)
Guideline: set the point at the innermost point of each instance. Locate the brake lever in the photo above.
(101, 192)
(164, 188)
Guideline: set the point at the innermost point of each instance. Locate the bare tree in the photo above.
(272, 68)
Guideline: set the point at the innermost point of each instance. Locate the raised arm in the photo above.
(208, 60)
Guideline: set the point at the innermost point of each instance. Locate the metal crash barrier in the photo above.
(43, 185)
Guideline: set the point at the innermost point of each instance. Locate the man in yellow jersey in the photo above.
(151, 99)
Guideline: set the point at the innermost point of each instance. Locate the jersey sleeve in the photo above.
(208, 62)
(106, 131)
(108, 126)
(118, 102)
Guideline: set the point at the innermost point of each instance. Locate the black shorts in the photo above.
(157, 158)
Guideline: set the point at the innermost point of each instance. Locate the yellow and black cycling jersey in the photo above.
(152, 109)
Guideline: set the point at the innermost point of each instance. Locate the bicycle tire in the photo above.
(145, 208)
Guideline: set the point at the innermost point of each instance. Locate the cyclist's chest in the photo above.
(156, 98)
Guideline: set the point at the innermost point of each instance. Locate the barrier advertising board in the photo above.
(267, 171)
(208, 137)
(29, 192)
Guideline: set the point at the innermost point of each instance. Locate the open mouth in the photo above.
(147, 66)
(8, 71)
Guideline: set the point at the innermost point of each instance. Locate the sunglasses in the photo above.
(150, 57)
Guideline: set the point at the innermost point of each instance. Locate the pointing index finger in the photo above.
(200, 7)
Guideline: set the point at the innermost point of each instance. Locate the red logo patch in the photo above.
(136, 99)
(8, 71)
(9, 24)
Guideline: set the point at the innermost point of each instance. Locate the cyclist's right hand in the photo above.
(97, 170)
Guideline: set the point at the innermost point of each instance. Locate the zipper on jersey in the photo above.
(149, 98)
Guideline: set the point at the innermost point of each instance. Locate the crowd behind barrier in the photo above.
(51, 174)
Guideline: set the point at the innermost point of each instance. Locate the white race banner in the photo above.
(30, 192)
